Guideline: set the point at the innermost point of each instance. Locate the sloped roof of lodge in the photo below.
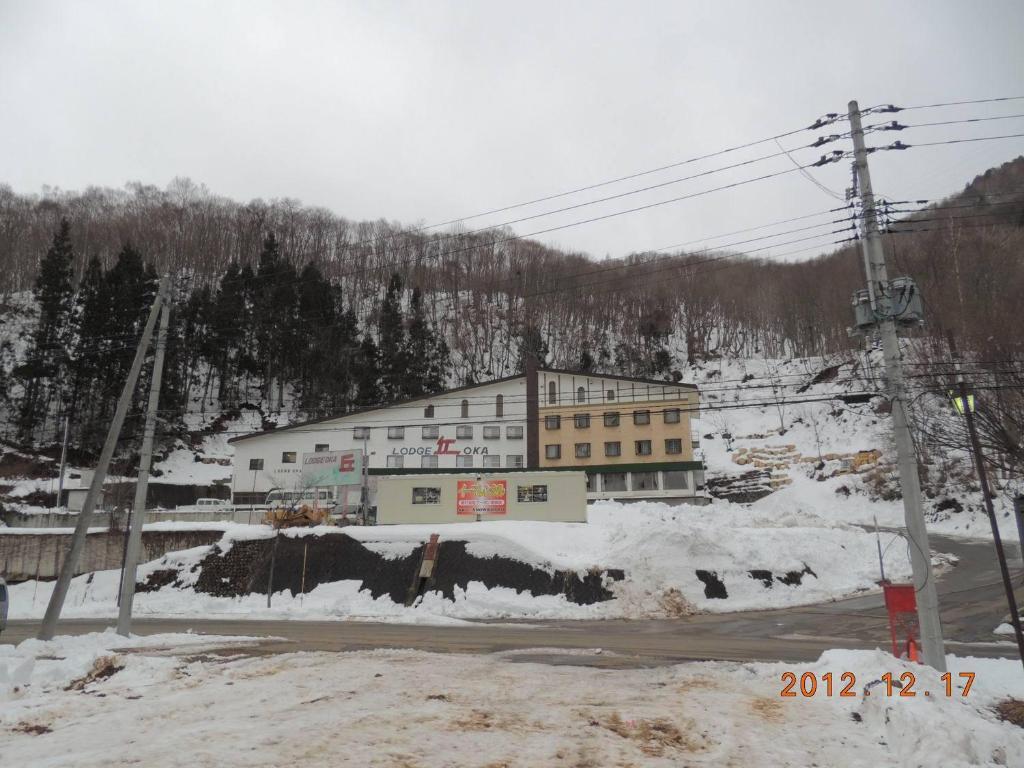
(465, 387)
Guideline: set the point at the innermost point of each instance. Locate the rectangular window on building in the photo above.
(610, 394)
(591, 482)
(643, 447)
(428, 412)
(552, 422)
(426, 495)
(361, 433)
(645, 481)
(491, 462)
(673, 446)
(514, 433)
(581, 420)
(641, 417)
(613, 449)
(396, 433)
(613, 481)
(464, 461)
(431, 433)
(611, 419)
(527, 494)
(672, 416)
(553, 451)
(464, 432)
(582, 450)
(255, 464)
(321, 448)
(514, 461)
(288, 457)
(396, 462)
(428, 462)
(676, 480)
(492, 432)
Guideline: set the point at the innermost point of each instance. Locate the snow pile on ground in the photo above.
(52, 664)
(409, 708)
(675, 560)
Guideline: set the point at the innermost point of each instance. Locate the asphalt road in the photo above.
(971, 598)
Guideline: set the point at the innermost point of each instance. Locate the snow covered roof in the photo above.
(434, 395)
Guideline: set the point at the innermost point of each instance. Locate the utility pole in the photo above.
(138, 515)
(60, 587)
(530, 366)
(880, 291)
(364, 492)
(965, 404)
(63, 460)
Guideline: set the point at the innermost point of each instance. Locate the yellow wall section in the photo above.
(626, 433)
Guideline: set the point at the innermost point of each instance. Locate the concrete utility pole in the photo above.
(934, 651)
(138, 516)
(60, 587)
(63, 460)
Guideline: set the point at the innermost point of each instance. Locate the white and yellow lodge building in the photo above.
(632, 437)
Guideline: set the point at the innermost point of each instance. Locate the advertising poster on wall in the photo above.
(330, 468)
(482, 497)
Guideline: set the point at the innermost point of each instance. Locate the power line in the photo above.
(882, 108)
(896, 126)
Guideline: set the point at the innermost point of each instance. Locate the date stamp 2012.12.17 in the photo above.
(844, 685)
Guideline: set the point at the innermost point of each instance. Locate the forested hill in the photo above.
(288, 306)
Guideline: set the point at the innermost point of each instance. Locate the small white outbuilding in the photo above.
(459, 498)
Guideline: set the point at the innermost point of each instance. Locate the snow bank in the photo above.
(406, 707)
(675, 560)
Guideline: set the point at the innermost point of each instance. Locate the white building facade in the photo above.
(490, 427)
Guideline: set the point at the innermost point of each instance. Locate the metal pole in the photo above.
(878, 282)
(1018, 514)
(124, 552)
(878, 543)
(60, 588)
(364, 493)
(137, 520)
(63, 460)
(273, 560)
(979, 465)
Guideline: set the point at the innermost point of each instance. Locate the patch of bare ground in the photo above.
(674, 605)
(654, 736)
(481, 720)
(1012, 711)
(102, 668)
(768, 709)
(36, 729)
(696, 683)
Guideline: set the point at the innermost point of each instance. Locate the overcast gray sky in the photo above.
(427, 111)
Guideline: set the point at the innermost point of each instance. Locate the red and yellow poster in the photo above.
(482, 497)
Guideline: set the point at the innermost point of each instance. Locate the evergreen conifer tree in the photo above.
(392, 349)
(368, 389)
(46, 366)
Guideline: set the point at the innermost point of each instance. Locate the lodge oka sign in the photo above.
(328, 468)
(445, 447)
